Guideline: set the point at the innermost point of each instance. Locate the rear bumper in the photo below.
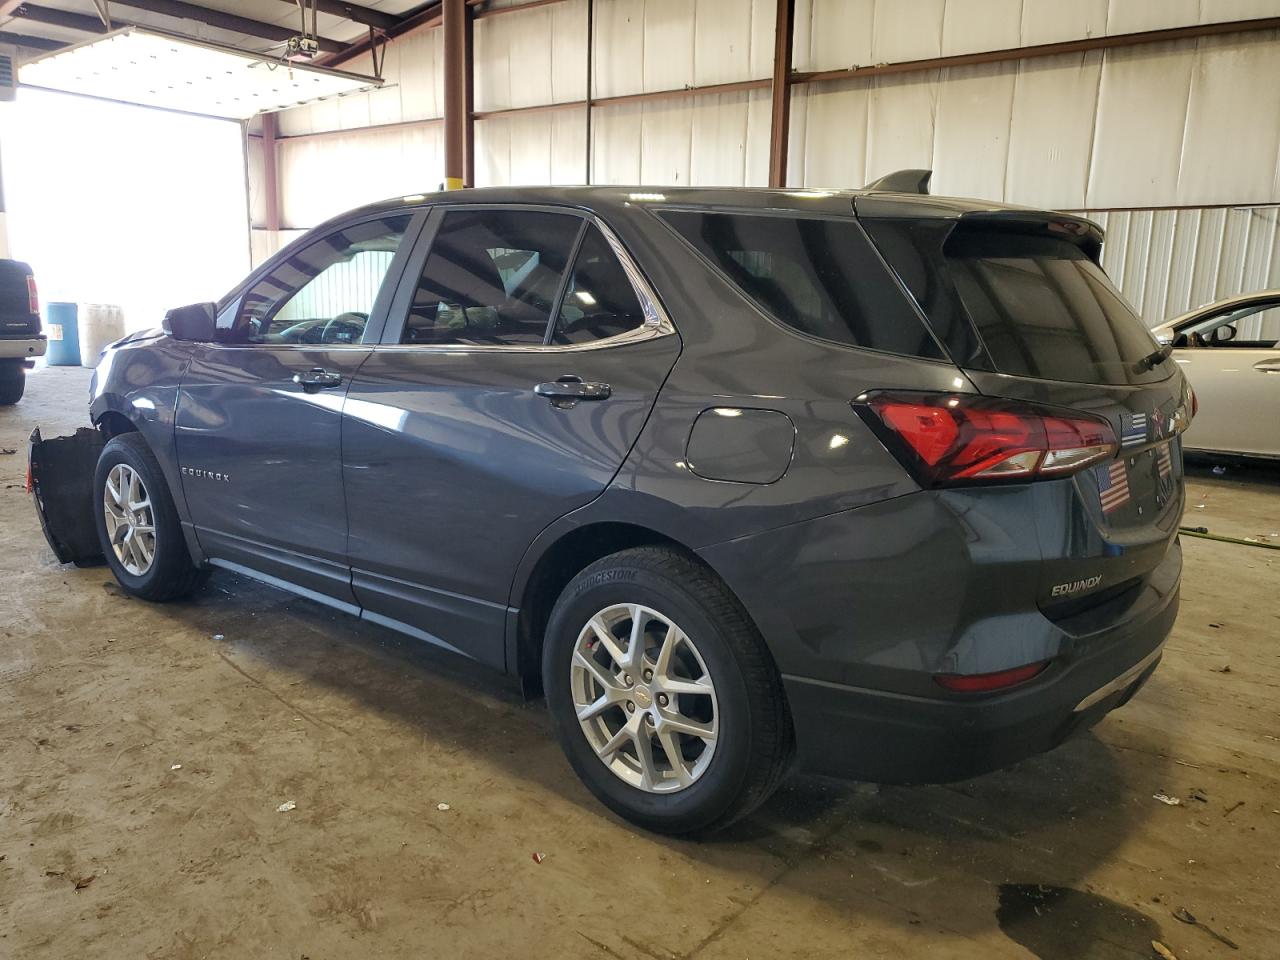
(24, 348)
(855, 733)
(862, 609)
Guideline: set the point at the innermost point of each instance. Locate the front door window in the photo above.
(323, 293)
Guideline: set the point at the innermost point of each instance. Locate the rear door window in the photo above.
(819, 276)
(491, 278)
(600, 301)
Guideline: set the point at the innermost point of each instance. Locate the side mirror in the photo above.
(194, 322)
(1223, 333)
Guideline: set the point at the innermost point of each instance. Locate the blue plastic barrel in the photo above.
(62, 327)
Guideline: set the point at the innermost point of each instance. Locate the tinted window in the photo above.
(325, 291)
(1026, 304)
(1044, 309)
(600, 300)
(819, 276)
(491, 278)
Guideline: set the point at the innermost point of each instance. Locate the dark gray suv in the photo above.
(881, 483)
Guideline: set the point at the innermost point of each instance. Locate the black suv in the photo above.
(883, 483)
(20, 338)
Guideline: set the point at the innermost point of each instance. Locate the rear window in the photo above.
(819, 276)
(1021, 304)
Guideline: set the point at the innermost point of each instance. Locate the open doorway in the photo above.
(112, 203)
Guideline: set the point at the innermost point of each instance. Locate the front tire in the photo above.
(13, 382)
(138, 524)
(663, 695)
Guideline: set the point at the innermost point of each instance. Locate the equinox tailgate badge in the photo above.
(1075, 586)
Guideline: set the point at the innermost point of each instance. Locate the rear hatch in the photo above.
(19, 309)
(1021, 304)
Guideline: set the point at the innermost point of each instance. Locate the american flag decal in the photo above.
(1133, 429)
(1113, 485)
(1164, 461)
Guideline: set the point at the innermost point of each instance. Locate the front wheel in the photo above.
(13, 382)
(138, 524)
(663, 695)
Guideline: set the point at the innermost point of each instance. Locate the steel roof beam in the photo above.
(25, 40)
(222, 21)
(60, 18)
(352, 11)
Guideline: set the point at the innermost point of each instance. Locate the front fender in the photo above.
(140, 380)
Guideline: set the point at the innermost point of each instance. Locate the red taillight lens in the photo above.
(986, 682)
(33, 295)
(960, 438)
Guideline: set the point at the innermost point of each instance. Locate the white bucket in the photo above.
(100, 324)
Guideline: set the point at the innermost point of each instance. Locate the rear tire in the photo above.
(713, 699)
(138, 524)
(13, 382)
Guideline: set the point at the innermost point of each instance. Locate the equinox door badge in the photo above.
(206, 474)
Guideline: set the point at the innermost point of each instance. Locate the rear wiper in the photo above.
(1154, 359)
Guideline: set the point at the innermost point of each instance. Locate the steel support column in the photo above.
(270, 177)
(781, 115)
(457, 81)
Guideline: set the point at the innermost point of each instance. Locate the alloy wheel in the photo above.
(130, 519)
(644, 698)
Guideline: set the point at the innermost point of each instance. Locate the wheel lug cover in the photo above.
(631, 707)
(663, 699)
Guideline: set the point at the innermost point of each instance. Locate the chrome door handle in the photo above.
(1269, 365)
(317, 378)
(573, 388)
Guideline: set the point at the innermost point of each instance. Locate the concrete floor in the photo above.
(109, 848)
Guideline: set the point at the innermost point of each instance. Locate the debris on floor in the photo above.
(1225, 668)
(1186, 916)
(442, 807)
(1167, 800)
(287, 806)
(176, 766)
(538, 857)
(1161, 950)
(1234, 807)
(85, 881)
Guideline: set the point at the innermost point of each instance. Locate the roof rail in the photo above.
(901, 181)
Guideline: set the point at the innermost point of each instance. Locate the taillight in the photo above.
(947, 439)
(987, 682)
(33, 296)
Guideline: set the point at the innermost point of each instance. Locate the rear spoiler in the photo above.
(1081, 231)
(60, 481)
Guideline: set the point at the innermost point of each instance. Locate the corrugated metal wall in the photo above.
(1192, 124)
(1169, 261)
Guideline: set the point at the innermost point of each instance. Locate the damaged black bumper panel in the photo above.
(61, 485)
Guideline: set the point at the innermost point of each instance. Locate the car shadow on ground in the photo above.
(1014, 848)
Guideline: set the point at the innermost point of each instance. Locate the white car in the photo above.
(1230, 352)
